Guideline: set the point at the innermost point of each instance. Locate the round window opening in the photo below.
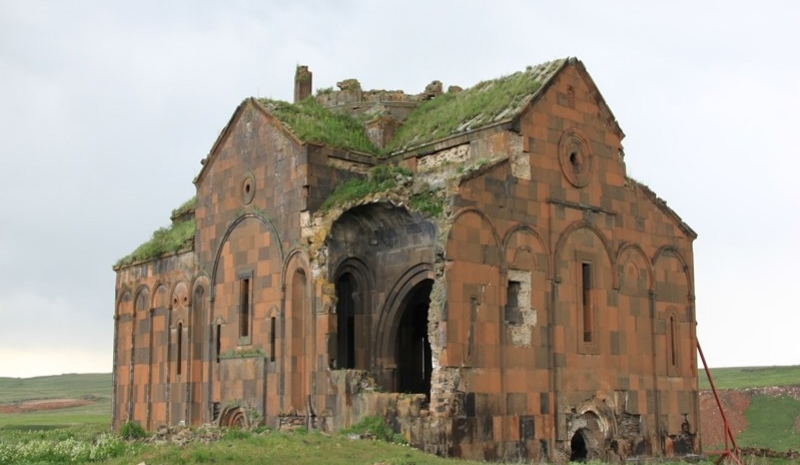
(248, 188)
(575, 158)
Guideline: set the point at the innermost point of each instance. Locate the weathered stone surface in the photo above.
(510, 294)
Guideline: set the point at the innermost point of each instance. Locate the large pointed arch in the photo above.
(393, 312)
(353, 283)
(220, 246)
(298, 337)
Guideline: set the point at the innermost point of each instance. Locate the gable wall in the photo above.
(571, 217)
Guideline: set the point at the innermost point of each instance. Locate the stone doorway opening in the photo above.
(347, 295)
(413, 349)
(578, 448)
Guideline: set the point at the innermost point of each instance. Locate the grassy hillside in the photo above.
(749, 377)
(771, 423)
(73, 386)
(95, 387)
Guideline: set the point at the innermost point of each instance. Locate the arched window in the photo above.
(347, 295)
(179, 358)
(673, 355)
(586, 303)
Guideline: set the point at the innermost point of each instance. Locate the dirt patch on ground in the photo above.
(42, 405)
(734, 402)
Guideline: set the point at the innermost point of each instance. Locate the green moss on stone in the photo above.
(311, 122)
(380, 178)
(177, 236)
(485, 103)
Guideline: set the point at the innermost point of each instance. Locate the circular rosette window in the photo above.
(248, 188)
(575, 158)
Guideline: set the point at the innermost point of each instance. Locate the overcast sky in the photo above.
(106, 109)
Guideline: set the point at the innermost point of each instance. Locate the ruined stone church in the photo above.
(474, 265)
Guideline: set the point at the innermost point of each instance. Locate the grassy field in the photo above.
(749, 377)
(73, 386)
(84, 430)
(771, 423)
(94, 386)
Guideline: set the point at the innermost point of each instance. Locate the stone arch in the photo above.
(587, 433)
(123, 357)
(472, 276)
(392, 314)
(353, 285)
(273, 231)
(160, 298)
(142, 300)
(297, 326)
(296, 258)
(632, 253)
(233, 417)
(524, 290)
(463, 213)
(583, 224)
(672, 338)
(538, 239)
(584, 269)
(201, 319)
(273, 316)
(180, 296)
(124, 304)
(674, 296)
(669, 251)
(140, 344)
(199, 333)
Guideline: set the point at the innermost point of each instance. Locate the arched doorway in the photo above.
(578, 449)
(346, 294)
(413, 349)
(233, 418)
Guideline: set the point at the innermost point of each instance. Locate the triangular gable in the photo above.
(607, 115)
(228, 129)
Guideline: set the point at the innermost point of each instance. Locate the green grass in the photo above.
(241, 449)
(380, 178)
(92, 386)
(301, 448)
(71, 386)
(485, 103)
(186, 208)
(747, 377)
(427, 202)
(452, 113)
(770, 423)
(312, 122)
(173, 238)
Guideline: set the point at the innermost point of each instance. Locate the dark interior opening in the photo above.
(346, 288)
(578, 451)
(413, 347)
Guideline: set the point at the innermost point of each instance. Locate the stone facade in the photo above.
(544, 310)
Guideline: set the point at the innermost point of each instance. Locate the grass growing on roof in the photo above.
(170, 239)
(485, 103)
(380, 178)
(185, 208)
(312, 122)
(427, 202)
